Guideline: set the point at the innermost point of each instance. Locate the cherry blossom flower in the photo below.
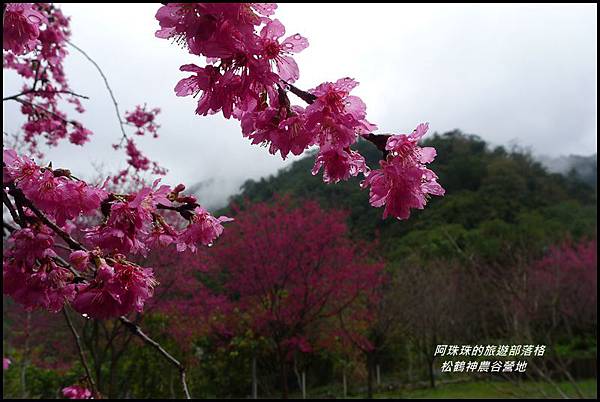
(203, 228)
(124, 230)
(53, 191)
(21, 27)
(406, 145)
(272, 50)
(339, 164)
(337, 116)
(30, 274)
(403, 182)
(79, 259)
(204, 81)
(76, 392)
(5, 363)
(143, 120)
(116, 290)
(80, 136)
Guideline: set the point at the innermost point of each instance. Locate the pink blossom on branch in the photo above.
(41, 31)
(21, 27)
(76, 392)
(80, 135)
(203, 228)
(239, 82)
(30, 274)
(36, 277)
(79, 259)
(403, 182)
(53, 191)
(143, 120)
(339, 164)
(116, 290)
(279, 53)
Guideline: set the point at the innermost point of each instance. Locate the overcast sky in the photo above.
(507, 72)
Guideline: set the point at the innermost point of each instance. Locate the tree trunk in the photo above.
(297, 373)
(378, 367)
(303, 384)
(369, 376)
(283, 373)
(24, 361)
(409, 354)
(254, 379)
(113, 377)
(431, 375)
(344, 382)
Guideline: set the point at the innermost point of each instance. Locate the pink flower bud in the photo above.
(79, 259)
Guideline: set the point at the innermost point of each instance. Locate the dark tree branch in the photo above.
(43, 109)
(10, 206)
(138, 331)
(90, 379)
(112, 95)
(305, 96)
(41, 91)
(379, 140)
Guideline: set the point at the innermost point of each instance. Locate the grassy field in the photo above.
(473, 389)
(495, 389)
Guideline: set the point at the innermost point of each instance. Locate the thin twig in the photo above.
(11, 208)
(41, 91)
(43, 109)
(81, 353)
(304, 95)
(112, 95)
(379, 140)
(8, 226)
(137, 331)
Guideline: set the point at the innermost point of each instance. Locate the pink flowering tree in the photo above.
(81, 246)
(289, 271)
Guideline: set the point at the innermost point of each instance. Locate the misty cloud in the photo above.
(507, 72)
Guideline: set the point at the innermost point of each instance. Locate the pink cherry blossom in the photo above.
(21, 27)
(80, 135)
(280, 53)
(30, 273)
(339, 164)
(338, 116)
(116, 290)
(76, 392)
(203, 228)
(136, 158)
(403, 182)
(281, 130)
(79, 259)
(143, 120)
(5, 363)
(205, 81)
(406, 145)
(124, 230)
(53, 191)
(18, 168)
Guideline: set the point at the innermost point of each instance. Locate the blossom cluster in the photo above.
(403, 182)
(143, 120)
(249, 70)
(98, 279)
(76, 392)
(35, 38)
(34, 42)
